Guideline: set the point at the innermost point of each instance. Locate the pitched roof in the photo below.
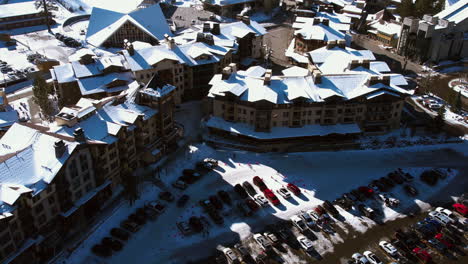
(456, 12)
(103, 23)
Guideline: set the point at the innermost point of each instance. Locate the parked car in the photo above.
(224, 196)
(216, 217)
(240, 191)
(271, 196)
(261, 200)
(183, 200)
(330, 208)
(166, 196)
(387, 182)
(251, 204)
(259, 182)
(230, 255)
(435, 244)
(430, 177)
(216, 202)
(249, 188)
(343, 203)
(444, 240)
(359, 196)
(112, 243)
(389, 200)
(372, 257)
(137, 218)
(408, 177)
(305, 243)
(394, 176)
(184, 227)
(299, 223)
(242, 250)
(262, 241)
(410, 190)
(119, 233)
(422, 255)
(130, 226)
(101, 250)
(359, 259)
(460, 208)
(159, 207)
(307, 219)
(388, 248)
(443, 219)
(446, 212)
(274, 240)
(284, 193)
(366, 191)
(195, 224)
(294, 189)
(350, 197)
(261, 258)
(150, 212)
(366, 210)
(179, 185)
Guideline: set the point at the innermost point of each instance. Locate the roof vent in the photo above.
(317, 75)
(206, 27)
(331, 44)
(246, 20)
(79, 135)
(129, 47)
(226, 73)
(216, 30)
(341, 44)
(233, 67)
(59, 148)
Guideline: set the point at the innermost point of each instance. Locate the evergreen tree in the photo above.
(41, 90)
(458, 103)
(439, 120)
(130, 184)
(46, 6)
(406, 8)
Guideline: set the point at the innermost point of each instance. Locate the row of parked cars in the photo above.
(442, 231)
(69, 41)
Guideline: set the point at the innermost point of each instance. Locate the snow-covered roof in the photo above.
(320, 31)
(352, 9)
(104, 83)
(282, 132)
(284, 89)
(334, 17)
(158, 92)
(29, 164)
(8, 118)
(145, 58)
(18, 9)
(64, 73)
(239, 29)
(387, 28)
(457, 12)
(103, 23)
(228, 2)
(334, 22)
(81, 53)
(321, 55)
(295, 71)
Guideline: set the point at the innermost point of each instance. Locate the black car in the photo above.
(101, 250)
(112, 243)
(216, 217)
(410, 190)
(387, 182)
(196, 224)
(119, 233)
(224, 196)
(430, 177)
(394, 176)
(182, 200)
(167, 196)
(137, 218)
(188, 179)
(240, 191)
(380, 185)
(350, 198)
(249, 188)
(130, 226)
(330, 208)
(216, 202)
(358, 195)
(408, 177)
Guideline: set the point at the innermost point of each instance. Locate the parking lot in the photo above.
(313, 173)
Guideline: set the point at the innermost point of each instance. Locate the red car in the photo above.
(293, 188)
(259, 182)
(422, 255)
(271, 196)
(460, 208)
(368, 192)
(441, 239)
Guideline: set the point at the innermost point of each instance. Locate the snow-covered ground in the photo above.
(321, 175)
(451, 117)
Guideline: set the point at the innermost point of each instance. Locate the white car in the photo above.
(229, 253)
(388, 248)
(272, 237)
(284, 193)
(298, 222)
(305, 243)
(261, 200)
(389, 200)
(262, 241)
(359, 259)
(314, 215)
(372, 257)
(443, 219)
(446, 212)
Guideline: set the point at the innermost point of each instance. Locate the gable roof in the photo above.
(103, 23)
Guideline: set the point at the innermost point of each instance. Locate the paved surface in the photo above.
(278, 39)
(373, 46)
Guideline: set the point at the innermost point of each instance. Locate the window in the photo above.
(244, 112)
(223, 106)
(41, 219)
(89, 187)
(395, 115)
(115, 165)
(86, 176)
(77, 194)
(358, 118)
(318, 112)
(285, 123)
(35, 199)
(303, 122)
(251, 112)
(51, 200)
(285, 114)
(317, 121)
(359, 110)
(340, 111)
(239, 110)
(39, 208)
(308, 121)
(309, 112)
(304, 113)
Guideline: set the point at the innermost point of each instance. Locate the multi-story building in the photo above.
(229, 8)
(109, 28)
(55, 179)
(8, 116)
(254, 106)
(436, 38)
(49, 191)
(92, 77)
(189, 67)
(24, 14)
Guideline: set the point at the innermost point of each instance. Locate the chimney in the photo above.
(353, 64)
(267, 79)
(79, 135)
(226, 73)
(200, 37)
(4, 96)
(246, 20)
(341, 43)
(385, 79)
(233, 67)
(331, 44)
(209, 39)
(365, 64)
(373, 80)
(206, 27)
(60, 148)
(170, 42)
(316, 21)
(216, 30)
(325, 21)
(129, 47)
(239, 17)
(317, 75)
